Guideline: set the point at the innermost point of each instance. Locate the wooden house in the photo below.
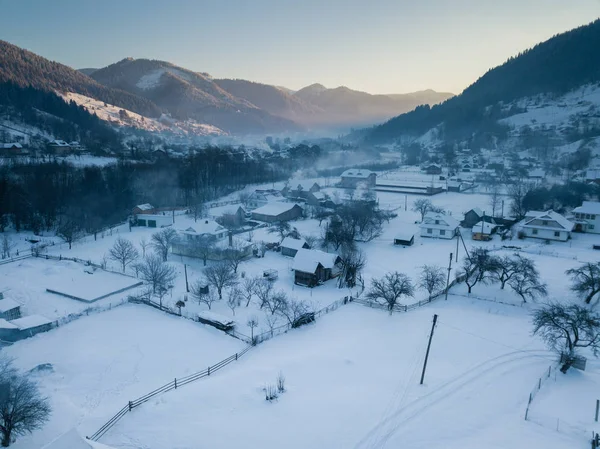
(313, 267)
(9, 309)
(290, 246)
(276, 212)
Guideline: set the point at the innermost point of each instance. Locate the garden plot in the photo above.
(102, 361)
(352, 378)
(26, 282)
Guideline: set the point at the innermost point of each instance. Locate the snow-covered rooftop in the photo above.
(550, 216)
(145, 206)
(8, 304)
(356, 173)
(483, 227)
(307, 260)
(203, 227)
(405, 234)
(444, 221)
(7, 146)
(292, 243)
(6, 324)
(274, 209)
(588, 207)
(30, 321)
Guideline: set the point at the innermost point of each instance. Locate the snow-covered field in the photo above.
(352, 377)
(102, 361)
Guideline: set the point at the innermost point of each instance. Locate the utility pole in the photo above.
(457, 239)
(502, 208)
(448, 279)
(405, 202)
(428, 347)
(187, 288)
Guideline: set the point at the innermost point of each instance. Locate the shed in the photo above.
(275, 212)
(32, 324)
(8, 331)
(404, 238)
(472, 217)
(290, 246)
(153, 220)
(10, 309)
(483, 230)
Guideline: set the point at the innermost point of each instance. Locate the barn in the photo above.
(313, 267)
(153, 220)
(275, 212)
(290, 246)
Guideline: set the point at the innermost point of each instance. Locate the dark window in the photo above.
(442, 232)
(534, 232)
(556, 233)
(429, 230)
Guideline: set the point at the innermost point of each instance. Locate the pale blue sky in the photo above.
(379, 46)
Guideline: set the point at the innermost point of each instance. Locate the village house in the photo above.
(11, 149)
(472, 217)
(153, 220)
(593, 175)
(310, 194)
(587, 217)
(438, 225)
(59, 147)
(433, 169)
(146, 208)
(260, 198)
(290, 246)
(536, 173)
(233, 216)
(548, 225)
(354, 177)
(9, 309)
(209, 239)
(276, 212)
(313, 267)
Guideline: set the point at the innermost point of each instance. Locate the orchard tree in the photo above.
(479, 266)
(179, 304)
(124, 252)
(585, 280)
(69, 230)
(7, 246)
(390, 288)
(432, 279)
(422, 206)
(220, 276)
(249, 288)
(526, 280)
(506, 268)
(566, 328)
(353, 261)
(157, 273)
(162, 241)
(234, 299)
(198, 291)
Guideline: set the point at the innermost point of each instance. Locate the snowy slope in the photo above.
(111, 114)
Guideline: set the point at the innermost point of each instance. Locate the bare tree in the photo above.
(235, 254)
(220, 275)
(506, 268)
(263, 291)
(197, 205)
(159, 274)
(123, 252)
(252, 323)
(69, 230)
(422, 206)
(526, 280)
(271, 321)
(199, 292)
(248, 289)
(7, 246)
(432, 279)
(244, 198)
(234, 299)
(277, 302)
(516, 194)
(162, 241)
(353, 261)
(204, 247)
(495, 198)
(295, 309)
(312, 240)
(262, 248)
(479, 266)
(565, 328)
(179, 304)
(144, 244)
(22, 408)
(585, 280)
(282, 229)
(390, 288)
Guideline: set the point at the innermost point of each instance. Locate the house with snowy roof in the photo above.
(260, 198)
(145, 208)
(59, 147)
(547, 225)
(587, 217)
(438, 225)
(354, 177)
(483, 230)
(276, 212)
(290, 246)
(313, 267)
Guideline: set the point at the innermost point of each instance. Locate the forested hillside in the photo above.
(562, 63)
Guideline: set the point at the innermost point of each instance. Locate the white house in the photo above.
(438, 225)
(353, 177)
(587, 217)
(546, 225)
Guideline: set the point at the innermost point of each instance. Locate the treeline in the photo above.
(564, 62)
(44, 196)
(67, 120)
(560, 197)
(25, 68)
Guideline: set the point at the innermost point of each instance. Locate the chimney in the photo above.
(230, 238)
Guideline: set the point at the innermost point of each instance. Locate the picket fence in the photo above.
(538, 386)
(173, 385)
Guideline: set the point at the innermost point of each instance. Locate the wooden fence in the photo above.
(173, 385)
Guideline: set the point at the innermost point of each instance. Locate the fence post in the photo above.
(549, 369)
(236, 356)
(597, 408)
(530, 399)
(526, 413)
(130, 406)
(176, 383)
(209, 370)
(540, 383)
